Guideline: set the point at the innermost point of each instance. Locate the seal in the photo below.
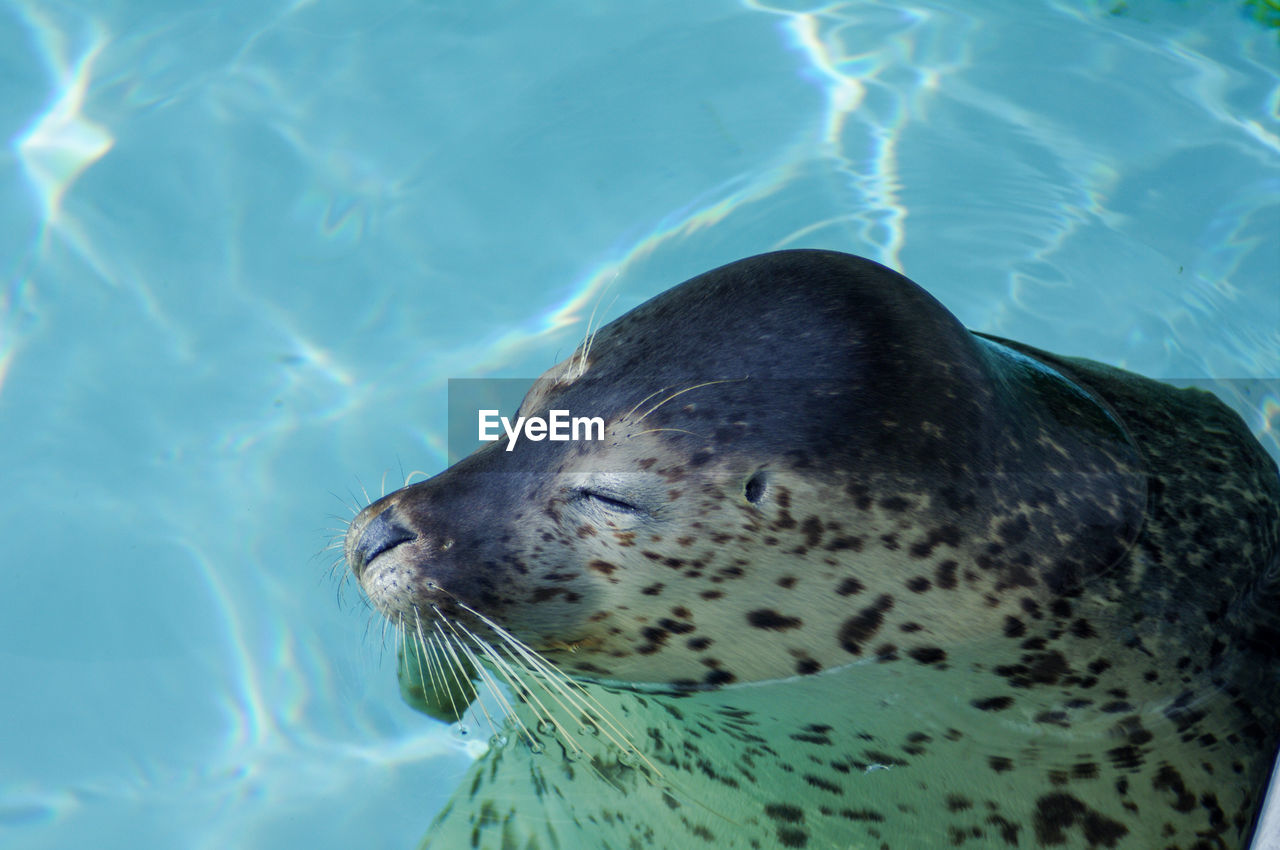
(844, 574)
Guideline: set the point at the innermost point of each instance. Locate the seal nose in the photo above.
(383, 532)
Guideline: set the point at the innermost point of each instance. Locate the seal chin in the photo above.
(387, 590)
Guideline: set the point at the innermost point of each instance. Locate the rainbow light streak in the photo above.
(61, 142)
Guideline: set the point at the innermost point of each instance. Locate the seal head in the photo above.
(832, 431)
(985, 595)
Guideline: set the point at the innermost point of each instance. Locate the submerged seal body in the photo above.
(845, 574)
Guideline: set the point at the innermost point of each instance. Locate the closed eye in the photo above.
(610, 502)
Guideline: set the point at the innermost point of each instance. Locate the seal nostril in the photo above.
(382, 533)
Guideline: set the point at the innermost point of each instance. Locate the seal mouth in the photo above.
(384, 554)
(372, 534)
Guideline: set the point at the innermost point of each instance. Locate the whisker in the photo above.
(442, 682)
(484, 677)
(643, 400)
(353, 505)
(419, 649)
(587, 705)
(685, 390)
(579, 365)
(507, 708)
(660, 430)
(449, 643)
(541, 710)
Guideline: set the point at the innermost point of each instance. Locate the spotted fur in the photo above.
(851, 576)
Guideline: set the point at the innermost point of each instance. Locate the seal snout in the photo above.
(381, 534)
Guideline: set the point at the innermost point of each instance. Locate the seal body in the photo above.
(844, 574)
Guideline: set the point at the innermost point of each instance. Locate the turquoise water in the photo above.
(245, 245)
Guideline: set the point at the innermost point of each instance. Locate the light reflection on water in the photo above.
(246, 247)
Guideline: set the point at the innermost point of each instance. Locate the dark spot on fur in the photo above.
(945, 575)
(1037, 668)
(1054, 718)
(812, 530)
(948, 534)
(992, 703)
(1008, 829)
(1014, 628)
(767, 618)
(719, 677)
(1085, 770)
(1082, 629)
(1058, 812)
(790, 836)
(823, 784)
(1127, 757)
(897, 504)
(928, 654)
(863, 626)
(1014, 531)
(1168, 779)
(849, 586)
(919, 584)
(839, 543)
(784, 812)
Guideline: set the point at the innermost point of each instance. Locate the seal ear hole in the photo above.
(755, 487)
